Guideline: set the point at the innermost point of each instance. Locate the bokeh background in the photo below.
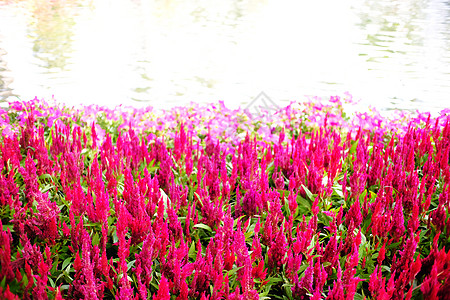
(390, 54)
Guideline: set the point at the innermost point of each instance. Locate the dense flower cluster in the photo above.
(204, 202)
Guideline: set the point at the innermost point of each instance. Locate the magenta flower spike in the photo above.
(6, 272)
(337, 292)
(94, 136)
(123, 221)
(30, 178)
(10, 151)
(354, 214)
(430, 287)
(277, 251)
(398, 220)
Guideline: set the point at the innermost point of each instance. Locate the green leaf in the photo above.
(198, 198)
(60, 275)
(52, 283)
(287, 289)
(393, 245)
(308, 193)
(326, 264)
(55, 263)
(95, 239)
(305, 203)
(353, 148)
(68, 268)
(362, 196)
(115, 237)
(46, 176)
(386, 268)
(233, 271)
(248, 235)
(192, 250)
(156, 286)
(130, 264)
(3, 283)
(358, 297)
(5, 227)
(203, 226)
(47, 188)
(273, 280)
(337, 189)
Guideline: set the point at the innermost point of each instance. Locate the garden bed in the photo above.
(204, 202)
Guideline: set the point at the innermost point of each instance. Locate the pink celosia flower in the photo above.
(398, 223)
(6, 271)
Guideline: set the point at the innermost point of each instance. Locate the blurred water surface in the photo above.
(390, 54)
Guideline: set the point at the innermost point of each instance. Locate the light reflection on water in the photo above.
(391, 54)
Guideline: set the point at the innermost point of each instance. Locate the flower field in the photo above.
(205, 202)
